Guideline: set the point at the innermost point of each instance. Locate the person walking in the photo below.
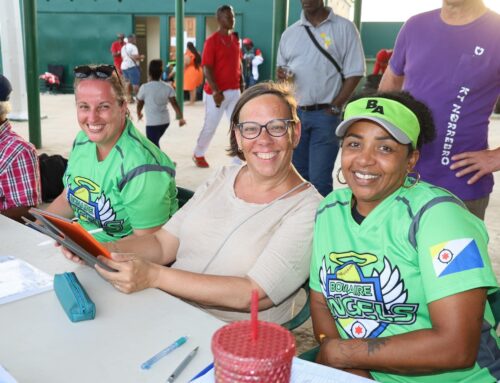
(224, 81)
(324, 54)
(462, 42)
(252, 58)
(116, 51)
(155, 95)
(130, 64)
(193, 73)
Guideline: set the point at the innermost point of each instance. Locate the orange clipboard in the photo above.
(71, 235)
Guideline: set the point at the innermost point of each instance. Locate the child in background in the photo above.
(155, 95)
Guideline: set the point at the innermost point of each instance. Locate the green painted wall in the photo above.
(376, 36)
(60, 44)
(81, 31)
(72, 32)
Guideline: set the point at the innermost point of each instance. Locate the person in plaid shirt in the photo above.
(19, 167)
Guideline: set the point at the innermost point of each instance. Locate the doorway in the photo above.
(147, 31)
(189, 35)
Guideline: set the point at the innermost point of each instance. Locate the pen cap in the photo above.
(238, 358)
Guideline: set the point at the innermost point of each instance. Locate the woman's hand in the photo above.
(68, 254)
(132, 273)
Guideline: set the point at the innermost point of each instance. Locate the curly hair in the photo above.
(281, 90)
(155, 69)
(224, 8)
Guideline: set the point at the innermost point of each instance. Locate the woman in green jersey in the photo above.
(400, 269)
(116, 179)
(248, 227)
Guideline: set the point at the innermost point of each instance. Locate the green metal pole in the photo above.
(30, 46)
(164, 39)
(280, 22)
(179, 52)
(357, 14)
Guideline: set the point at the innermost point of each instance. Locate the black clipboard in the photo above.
(71, 235)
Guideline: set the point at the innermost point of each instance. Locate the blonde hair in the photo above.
(115, 81)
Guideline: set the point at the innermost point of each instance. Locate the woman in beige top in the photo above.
(248, 227)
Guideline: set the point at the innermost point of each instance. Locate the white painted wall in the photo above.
(153, 38)
(13, 62)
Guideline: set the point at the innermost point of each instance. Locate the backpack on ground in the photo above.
(52, 169)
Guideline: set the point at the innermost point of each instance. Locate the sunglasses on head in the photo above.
(100, 71)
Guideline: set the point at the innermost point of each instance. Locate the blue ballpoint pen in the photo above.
(202, 372)
(148, 363)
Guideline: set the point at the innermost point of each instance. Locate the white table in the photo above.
(38, 343)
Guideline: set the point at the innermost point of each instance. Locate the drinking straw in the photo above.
(254, 310)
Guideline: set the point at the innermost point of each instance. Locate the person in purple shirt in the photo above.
(449, 59)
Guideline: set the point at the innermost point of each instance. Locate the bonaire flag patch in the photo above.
(455, 256)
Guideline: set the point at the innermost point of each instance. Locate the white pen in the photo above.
(182, 366)
(51, 241)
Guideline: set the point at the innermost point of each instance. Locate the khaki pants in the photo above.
(478, 206)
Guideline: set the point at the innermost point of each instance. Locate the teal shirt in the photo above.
(133, 188)
(378, 277)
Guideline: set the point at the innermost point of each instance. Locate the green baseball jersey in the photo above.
(132, 188)
(378, 277)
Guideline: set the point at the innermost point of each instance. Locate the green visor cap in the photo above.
(393, 116)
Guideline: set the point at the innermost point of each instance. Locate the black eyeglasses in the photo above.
(100, 71)
(275, 128)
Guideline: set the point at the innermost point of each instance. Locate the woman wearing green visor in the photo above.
(400, 269)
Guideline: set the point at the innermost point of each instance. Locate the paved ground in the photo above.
(59, 128)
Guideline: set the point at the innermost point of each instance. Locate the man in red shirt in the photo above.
(19, 168)
(224, 80)
(116, 49)
(382, 60)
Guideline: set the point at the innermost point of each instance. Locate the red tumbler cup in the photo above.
(238, 358)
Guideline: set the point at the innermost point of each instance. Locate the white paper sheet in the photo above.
(19, 279)
(306, 372)
(5, 377)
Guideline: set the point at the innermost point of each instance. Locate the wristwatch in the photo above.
(335, 109)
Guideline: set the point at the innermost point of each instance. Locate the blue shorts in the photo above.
(132, 75)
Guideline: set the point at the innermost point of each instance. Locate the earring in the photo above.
(240, 150)
(338, 177)
(415, 179)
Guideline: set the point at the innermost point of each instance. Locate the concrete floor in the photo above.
(60, 127)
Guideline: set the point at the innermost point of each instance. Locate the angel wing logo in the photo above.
(99, 212)
(106, 212)
(364, 306)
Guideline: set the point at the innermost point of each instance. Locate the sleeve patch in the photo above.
(455, 256)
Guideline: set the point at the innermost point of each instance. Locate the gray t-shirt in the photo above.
(316, 80)
(155, 95)
(273, 247)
